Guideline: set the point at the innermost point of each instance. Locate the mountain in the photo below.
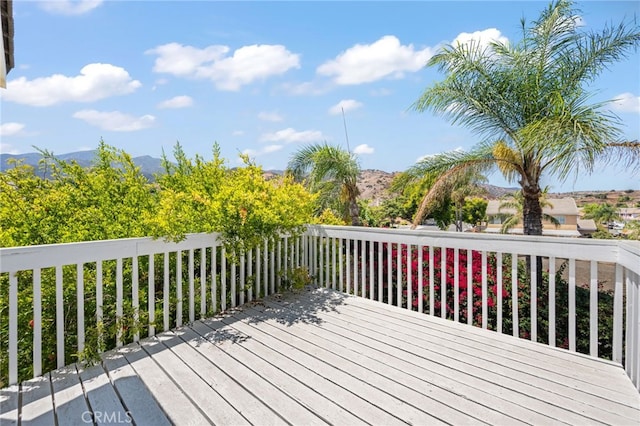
(148, 165)
(373, 184)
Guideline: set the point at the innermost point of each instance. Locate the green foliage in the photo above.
(328, 217)
(105, 201)
(632, 230)
(528, 101)
(601, 213)
(240, 204)
(332, 173)
(296, 278)
(474, 210)
(515, 201)
(110, 200)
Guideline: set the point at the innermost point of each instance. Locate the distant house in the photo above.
(586, 227)
(629, 213)
(6, 12)
(563, 209)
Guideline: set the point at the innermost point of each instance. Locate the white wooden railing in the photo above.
(172, 277)
(163, 283)
(364, 261)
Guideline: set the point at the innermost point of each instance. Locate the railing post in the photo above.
(552, 301)
(632, 341)
(593, 310)
(617, 316)
(223, 280)
(514, 295)
(37, 322)
(572, 305)
(80, 305)
(203, 281)
(192, 296)
(214, 278)
(59, 318)
(119, 301)
(178, 288)
(134, 296)
(420, 279)
(409, 278)
(151, 296)
(534, 297)
(13, 328)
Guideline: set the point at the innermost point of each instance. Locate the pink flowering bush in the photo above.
(468, 303)
(406, 267)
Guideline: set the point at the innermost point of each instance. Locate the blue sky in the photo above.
(265, 78)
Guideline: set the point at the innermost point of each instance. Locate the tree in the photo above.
(529, 103)
(245, 208)
(601, 213)
(448, 195)
(474, 210)
(632, 230)
(515, 201)
(332, 172)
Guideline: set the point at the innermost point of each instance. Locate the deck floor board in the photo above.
(323, 357)
(535, 379)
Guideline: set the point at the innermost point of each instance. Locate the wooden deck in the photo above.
(324, 357)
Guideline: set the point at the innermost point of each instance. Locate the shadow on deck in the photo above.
(323, 357)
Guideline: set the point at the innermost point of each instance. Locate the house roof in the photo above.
(587, 225)
(6, 9)
(559, 206)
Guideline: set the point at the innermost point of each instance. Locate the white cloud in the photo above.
(290, 135)
(266, 150)
(184, 61)
(306, 88)
(272, 148)
(237, 133)
(11, 129)
(246, 65)
(363, 149)
(626, 102)
(70, 7)
(95, 82)
(483, 38)
(270, 116)
(364, 63)
(427, 156)
(6, 148)
(115, 121)
(176, 102)
(346, 105)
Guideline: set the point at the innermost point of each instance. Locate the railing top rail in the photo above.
(626, 253)
(51, 255)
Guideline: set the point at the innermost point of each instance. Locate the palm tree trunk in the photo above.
(531, 210)
(354, 212)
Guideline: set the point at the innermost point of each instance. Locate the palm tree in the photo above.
(602, 214)
(454, 190)
(529, 104)
(332, 172)
(515, 201)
